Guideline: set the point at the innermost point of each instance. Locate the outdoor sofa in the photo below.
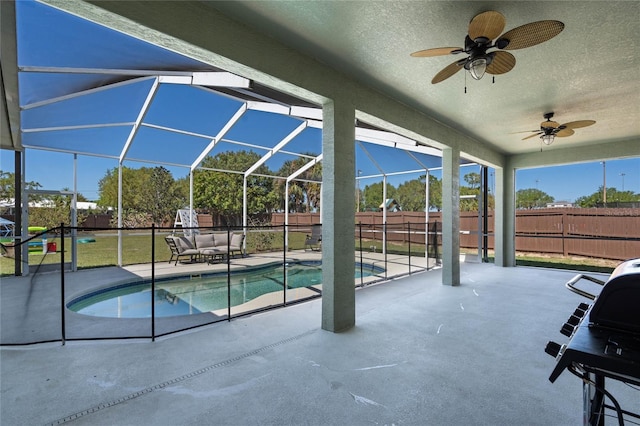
(205, 247)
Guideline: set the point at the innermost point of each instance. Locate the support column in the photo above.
(338, 216)
(505, 217)
(450, 217)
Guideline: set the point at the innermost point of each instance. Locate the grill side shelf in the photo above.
(591, 347)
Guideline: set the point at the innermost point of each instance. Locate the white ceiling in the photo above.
(590, 71)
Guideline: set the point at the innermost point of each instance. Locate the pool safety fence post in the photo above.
(62, 307)
(228, 274)
(409, 241)
(153, 282)
(384, 248)
(360, 243)
(426, 243)
(435, 243)
(430, 244)
(284, 264)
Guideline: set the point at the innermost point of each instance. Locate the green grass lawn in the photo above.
(136, 249)
(102, 252)
(573, 263)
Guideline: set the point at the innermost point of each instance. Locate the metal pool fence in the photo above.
(66, 264)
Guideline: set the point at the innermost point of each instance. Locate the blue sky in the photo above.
(52, 40)
(566, 183)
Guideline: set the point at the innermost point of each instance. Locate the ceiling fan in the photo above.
(483, 29)
(550, 129)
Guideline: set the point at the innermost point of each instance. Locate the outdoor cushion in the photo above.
(183, 243)
(236, 241)
(221, 239)
(213, 252)
(204, 241)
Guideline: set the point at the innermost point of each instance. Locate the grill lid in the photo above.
(618, 304)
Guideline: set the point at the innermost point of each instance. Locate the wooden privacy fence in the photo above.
(605, 233)
(296, 219)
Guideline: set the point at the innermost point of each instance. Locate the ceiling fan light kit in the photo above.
(548, 139)
(477, 68)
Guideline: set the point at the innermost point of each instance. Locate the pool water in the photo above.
(196, 294)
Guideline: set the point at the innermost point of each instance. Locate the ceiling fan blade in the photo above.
(531, 34)
(502, 62)
(535, 134)
(447, 72)
(438, 51)
(579, 124)
(524, 131)
(564, 133)
(488, 24)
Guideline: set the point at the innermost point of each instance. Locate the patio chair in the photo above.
(314, 241)
(236, 243)
(181, 247)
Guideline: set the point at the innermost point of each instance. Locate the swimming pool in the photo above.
(191, 295)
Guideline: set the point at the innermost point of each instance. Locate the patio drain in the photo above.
(182, 378)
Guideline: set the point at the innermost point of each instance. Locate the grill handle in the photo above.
(571, 285)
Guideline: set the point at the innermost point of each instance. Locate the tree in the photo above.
(149, 193)
(435, 193)
(134, 184)
(182, 185)
(313, 189)
(613, 196)
(473, 179)
(295, 198)
(163, 196)
(469, 203)
(532, 198)
(411, 194)
(372, 195)
(222, 192)
(56, 210)
(8, 188)
(304, 196)
(295, 201)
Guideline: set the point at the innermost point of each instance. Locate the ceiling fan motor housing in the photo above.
(501, 43)
(477, 49)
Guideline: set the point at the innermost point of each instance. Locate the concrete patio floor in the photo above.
(420, 354)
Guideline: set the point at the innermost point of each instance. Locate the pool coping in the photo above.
(271, 298)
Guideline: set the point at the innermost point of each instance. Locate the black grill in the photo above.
(604, 341)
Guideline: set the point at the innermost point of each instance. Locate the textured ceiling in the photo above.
(590, 71)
